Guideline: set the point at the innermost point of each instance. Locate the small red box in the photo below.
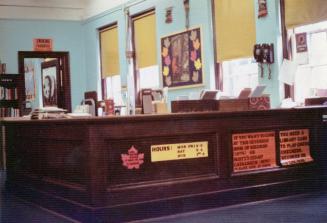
(110, 106)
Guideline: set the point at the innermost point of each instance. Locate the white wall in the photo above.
(95, 7)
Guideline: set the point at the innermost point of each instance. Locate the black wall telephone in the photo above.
(264, 53)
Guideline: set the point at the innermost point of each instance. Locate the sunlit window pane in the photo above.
(318, 48)
(113, 88)
(239, 74)
(149, 77)
(311, 78)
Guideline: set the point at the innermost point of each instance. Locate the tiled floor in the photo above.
(296, 209)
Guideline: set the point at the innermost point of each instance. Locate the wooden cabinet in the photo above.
(10, 95)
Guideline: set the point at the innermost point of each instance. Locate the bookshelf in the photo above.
(10, 95)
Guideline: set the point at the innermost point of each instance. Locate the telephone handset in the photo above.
(268, 53)
(257, 53)
(264, 54)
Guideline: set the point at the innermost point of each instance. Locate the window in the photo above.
(113, 89)
(311, 75)
(149, 77)
(234, 29)
(300, 16)
(239, 74)
(145, 45)
(234, 47)
(111, 83)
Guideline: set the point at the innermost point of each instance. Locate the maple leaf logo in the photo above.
(133, 159)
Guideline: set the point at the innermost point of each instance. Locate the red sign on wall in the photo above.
(294, 147)
(301, 42)
(253, 151)
(42, 44)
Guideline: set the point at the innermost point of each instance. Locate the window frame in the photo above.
(287, 49)
(219, 84)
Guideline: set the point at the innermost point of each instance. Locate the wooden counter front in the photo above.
(125, 168)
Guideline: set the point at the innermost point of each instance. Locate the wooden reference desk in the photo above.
(124, 168)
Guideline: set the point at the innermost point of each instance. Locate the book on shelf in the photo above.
(9, 112)
(11, 93)
(8, 93)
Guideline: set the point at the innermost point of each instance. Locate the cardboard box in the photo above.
(194, 105)
(160, 107)
(315, 101)
(234, 104)
(224, 105)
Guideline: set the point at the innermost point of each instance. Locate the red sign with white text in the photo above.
(42, 44)
(253, 151)
(294, 147)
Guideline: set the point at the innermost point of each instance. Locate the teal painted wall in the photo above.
(200, 15)
(17, 35)
(268, 30)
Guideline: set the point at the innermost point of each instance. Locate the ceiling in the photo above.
(54, 9)
(44, 3)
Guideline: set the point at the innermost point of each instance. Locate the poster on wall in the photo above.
(302, 54)
(253, 151)
(181, 59)
(301, 42)
(263, 10)
(49, 83)
(294, 147)
(40, 44)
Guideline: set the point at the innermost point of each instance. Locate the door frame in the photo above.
(64, 92)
